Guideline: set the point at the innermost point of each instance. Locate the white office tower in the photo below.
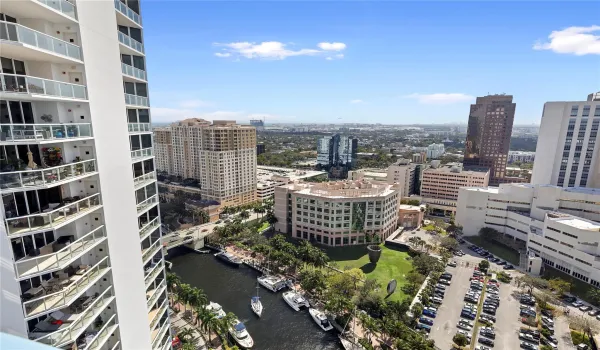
(82, 261)
(567, 150)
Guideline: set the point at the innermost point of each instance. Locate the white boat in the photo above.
(320, 319)
(272, 283)
(216, 309)
(295, 300)
(255, 303)
(240, 335)
(348, 339)
(349, 344)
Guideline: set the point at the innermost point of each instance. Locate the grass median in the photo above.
(476, 322)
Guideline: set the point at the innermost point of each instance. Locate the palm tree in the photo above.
(184, 294)
(197, 297)
(245, 214)
(224, 324)
(173, 282)
(428, 247)
(208, 321)
(260, 210)
(184, 334)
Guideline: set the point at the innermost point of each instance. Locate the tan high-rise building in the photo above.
(221, 155)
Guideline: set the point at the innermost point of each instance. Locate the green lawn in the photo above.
(579, 338)
(263, 226)
(578, 287)
(498, 249)
(392, 265)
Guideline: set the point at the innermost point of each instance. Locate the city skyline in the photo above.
(383, 62)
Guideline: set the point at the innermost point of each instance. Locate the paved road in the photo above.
(444, 326)
(507, 317)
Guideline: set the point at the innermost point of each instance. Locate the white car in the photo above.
(547, 320)
(465, 333)
(464, 326)
(492, 291)
(577, 303)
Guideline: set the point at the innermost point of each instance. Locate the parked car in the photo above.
(528, 346)
(429, 313)
(487, 333)
(508, 267)
(528, 337)
(585, 308)
(488, 318)
(426, 320)
(577, 303)
(569, 299)
(547, 313)
(486, 341)
(452, 264)
(424, 327)
(594, 313)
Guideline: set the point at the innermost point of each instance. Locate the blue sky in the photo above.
(386, 62)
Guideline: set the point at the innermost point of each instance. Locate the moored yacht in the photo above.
(320, 319)
(295, 300)
(272, 283)
(350, 344)
(240, 335)
(229, 258)
(216, 309)
(256, 304)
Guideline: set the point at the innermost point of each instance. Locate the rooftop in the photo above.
(458, 169)
(574, 221)
(346, 189)
(269, 176)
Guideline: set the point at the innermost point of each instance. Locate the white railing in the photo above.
(117, 346)
(66, 296)
(45, 132)
(139, 127)
(161, 311)
(150, 226)
(103, 334)
(32, 85)
(133, 71)
(61, 258)
(135, 100)
(52, 218)
(147, 203)
(160, 333)
(47, 176)
(142, 179)
(151, 251)
(153, 273)
(129, 13)
(142, 153)
(73, 330)
(157, 292)
(130, 42)
(63, 6)
(28, 36)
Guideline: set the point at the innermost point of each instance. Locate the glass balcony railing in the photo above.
(149, 227)
(131, 42)
(27, 36)
(144, 179)
(150, 202)
(129, 13)
(155, 315)
(151, 251)
(157, 334)
(153, 273)
(103, 334)
(139, 127)
(61, 258)
(45, 132)
(62, 6)
(52, 218)
(76, 285)
(142, 153)
(72, 331)
(46, 177)
(156, 292)
(135, 100)
(133, 71)
(24, 84)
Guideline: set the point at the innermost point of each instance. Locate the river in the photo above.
(279, 328)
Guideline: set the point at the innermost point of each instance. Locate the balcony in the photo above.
(55, 11)
(26, 44)
(154, 315)
(27, 88)
(142, 154)
(136, 101)
(144, 180)
(147, 204)
(52, 219)
(149, 227)
(103, 334)
(153, 294)
(135, 128)
(159, 333)
(132, 73)
(26, 180)
(153, 272)
(83, 320)
(74, 287)
(151, 251)
(45, 133)
(126, 16)
(130, 46)
(62, 258)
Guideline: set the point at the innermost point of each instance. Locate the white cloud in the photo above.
(573, 40)
(441, 98)
(356, 101)
(169, 115)
(332, 46)
(274, 50)
(194, 103)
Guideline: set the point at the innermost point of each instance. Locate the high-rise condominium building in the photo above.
(567, 153)
(80, 240)
(221, 155)
(435, 150)
(338, 213)
(488, 134)
(337, 151)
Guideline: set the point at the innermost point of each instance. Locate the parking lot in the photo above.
(507, 319)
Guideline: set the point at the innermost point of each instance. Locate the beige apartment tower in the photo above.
(221, 155)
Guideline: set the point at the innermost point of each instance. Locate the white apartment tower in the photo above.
(80, 240)
(567, 153)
